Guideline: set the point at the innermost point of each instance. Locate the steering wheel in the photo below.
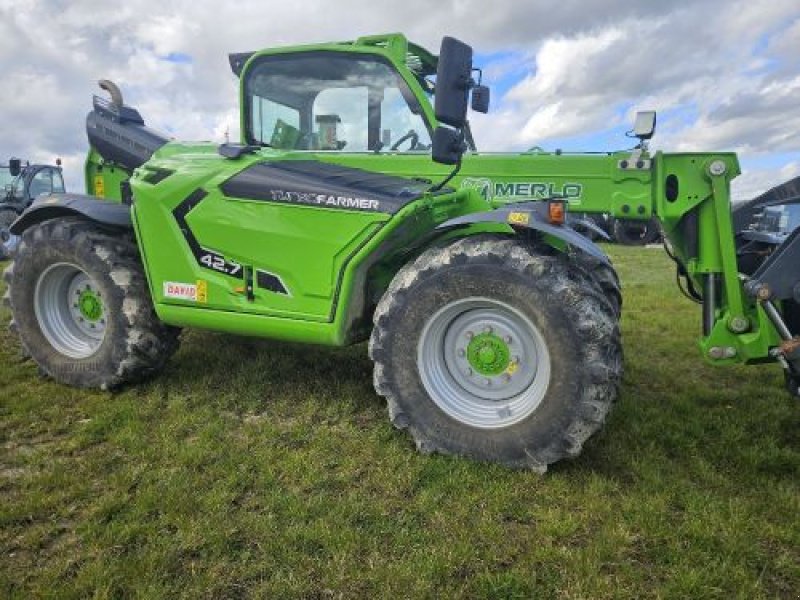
(411, 135)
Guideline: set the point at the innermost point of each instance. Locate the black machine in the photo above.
(20, 184)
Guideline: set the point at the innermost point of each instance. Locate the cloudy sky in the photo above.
(724, 75)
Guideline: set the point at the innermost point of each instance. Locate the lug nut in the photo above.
(739, 324)
(507, 339)
(487, 329)
(488, 382)
(462, 352)
(470, 335)
(469, 371)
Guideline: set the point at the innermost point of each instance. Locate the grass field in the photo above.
(260, 469)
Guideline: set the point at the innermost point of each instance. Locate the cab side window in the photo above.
(41, 183)
(321, 101)
(58, 182)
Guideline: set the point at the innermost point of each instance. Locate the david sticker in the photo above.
(180, 291)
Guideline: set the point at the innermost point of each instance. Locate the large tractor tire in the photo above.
(604, 275)
(487, 349)
(632, 232)
(82, 308)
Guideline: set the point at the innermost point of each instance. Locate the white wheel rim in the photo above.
(484, 401)
(56, 305)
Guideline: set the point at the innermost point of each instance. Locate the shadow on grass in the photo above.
(243, 374)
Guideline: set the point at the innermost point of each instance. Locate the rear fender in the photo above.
(54, 206)
(533, 217)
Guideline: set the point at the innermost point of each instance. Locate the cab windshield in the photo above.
(44, 181)
(324, 101)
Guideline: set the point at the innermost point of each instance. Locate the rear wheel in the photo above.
(82, 308)
(485, 349)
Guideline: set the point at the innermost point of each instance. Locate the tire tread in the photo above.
(572, 282)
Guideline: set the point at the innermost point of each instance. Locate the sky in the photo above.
(569, 74)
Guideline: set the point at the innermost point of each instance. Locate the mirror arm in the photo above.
(480, 77)
(447, 179)
(469, 138)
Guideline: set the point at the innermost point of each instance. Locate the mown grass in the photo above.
(260, 469)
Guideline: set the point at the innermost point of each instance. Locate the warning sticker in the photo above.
(99, 186)
(519, 218)
(181, 291)
(202, 291)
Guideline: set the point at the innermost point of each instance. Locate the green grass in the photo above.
(259, 469)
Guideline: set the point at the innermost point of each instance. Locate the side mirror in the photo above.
(448, 146)
(480, 99)
(453, 81)
(14, 166)
(645, 124)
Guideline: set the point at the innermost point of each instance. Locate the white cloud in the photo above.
(754, 182)
(587, 65)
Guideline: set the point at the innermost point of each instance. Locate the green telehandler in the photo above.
(351, 211)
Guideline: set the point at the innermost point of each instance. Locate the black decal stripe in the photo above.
(180, 212)
(323, 185)
(270, 282)
(207, 259)
(155, 175)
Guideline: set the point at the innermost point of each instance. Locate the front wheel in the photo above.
(486, 349)
(82, 308)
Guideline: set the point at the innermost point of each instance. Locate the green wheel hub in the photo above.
(488, 354)
(90, 305)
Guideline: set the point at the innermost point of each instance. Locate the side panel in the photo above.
(304, 247)
(254, 256)
(591, 183)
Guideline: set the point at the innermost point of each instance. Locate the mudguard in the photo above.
(69, 205)
(534, 216)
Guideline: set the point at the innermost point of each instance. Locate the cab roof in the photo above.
(419, 61)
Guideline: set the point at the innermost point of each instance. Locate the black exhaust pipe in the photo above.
(118, 132)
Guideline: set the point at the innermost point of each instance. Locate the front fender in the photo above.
(68, 205)
(533, 216)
